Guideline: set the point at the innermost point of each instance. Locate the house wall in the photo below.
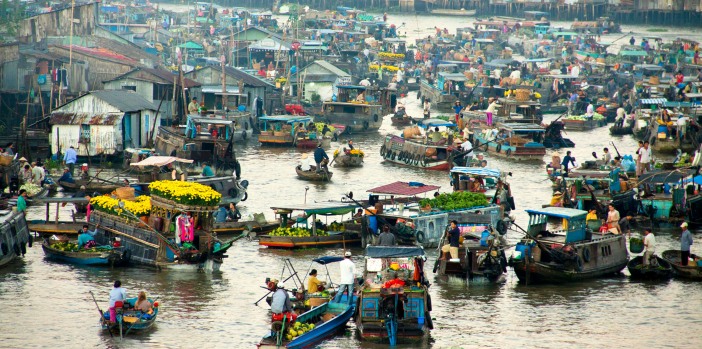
(58, 23)
(99, 70)
(144, 89)
(323, 89)
(213, 76)
(104, 139)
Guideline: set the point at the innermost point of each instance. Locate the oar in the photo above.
(142, 314)
(269, 291)
(93, 177)
(102, 316)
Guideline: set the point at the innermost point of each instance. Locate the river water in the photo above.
(44, 303)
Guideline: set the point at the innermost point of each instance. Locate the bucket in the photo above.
(636, 245)
(484, 238)
(523, 248)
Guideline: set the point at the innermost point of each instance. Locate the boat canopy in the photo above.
(671, 104)
(426, 123)
(477, 171)
(328, 259)
(394, 251)
(520, 127)
(559, 212)
(453, 76)
(652, 100)
(323, 208)
(160, 161)
(290, 119)
(209, 120)
(633, 53)
(662, 177)
(403, 188)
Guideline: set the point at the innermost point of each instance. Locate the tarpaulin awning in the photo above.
(662, 177)
(394, 251)
(328, 208)
(404, 189)
(669, 104)
(160, 161)
(436, 123)
(328, 259)
(477, 171)
(652, 100)
(559, 212)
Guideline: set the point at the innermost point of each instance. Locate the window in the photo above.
(84, 137)
(129, 87)
(162, 92)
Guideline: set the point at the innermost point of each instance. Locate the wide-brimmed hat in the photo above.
(684, 225)
(557, 193)
(22, 159)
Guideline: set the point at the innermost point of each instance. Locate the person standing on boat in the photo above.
(118, 294)
(685, 243)
(348, 271)
(645, 156)
(453, 236)
(70, 158)
(567, 161)
(22, 201)
(491, 109)
(319, 156)
(386, 238)
(457, 107)
(613, 220)
(650, 245)
(85, 237)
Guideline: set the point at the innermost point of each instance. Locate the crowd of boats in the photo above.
(170, 212)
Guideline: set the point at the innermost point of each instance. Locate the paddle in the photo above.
(142, 314)
(102, 316)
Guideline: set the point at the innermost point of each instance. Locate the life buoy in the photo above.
(30, 241)
(365, 125)
(126, 255)
(393, 156)
(499, 147)
(3, 247)
(586, 254)
(401, 156)
(508, 152)
(421, 237)
(501, 227)
(579, 262)
(424, 161)
(408, 158)
(16, 249)
(375, 117)
(246, 125)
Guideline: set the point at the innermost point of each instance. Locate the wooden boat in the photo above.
(279, 130)
(47, 228)
(94, 185)
(586, 124)
(571, 253)
(435, 91)
(346, 158)
(328, 319)
(102, 255)
(663, 269)
(400, 118)
(129, 320)
(229, 228)
(621, 130)
(690, 271)
(313, 237)
(321, 176)
(14, 236)
(395, 305)
(415, 150)
(365, 116)
(479, 259)
(451, 12)
(518, 143)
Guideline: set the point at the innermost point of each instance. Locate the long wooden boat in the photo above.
(14, 236)
(129, 319)
(571, 254)
(518, 143)
(394, 308)
(97, 256)
(328, 319)
(230, 228)
(96, 185)
(583, 125)
(663, 270)
(321, 176)
(478, 261)
(451, 12)
(621, 130)
(358, 117)
(344, 238)
(348, 160)
(44, 228)
(690, 271)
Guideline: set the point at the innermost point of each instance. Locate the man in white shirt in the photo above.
(650, 245)
(348, 271)
(467, 147)
(682, 126)
(116, 294)
(621, 114)
(646, 156)
(280, 302)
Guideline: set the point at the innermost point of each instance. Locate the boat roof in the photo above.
(435, 123)
(286, 118)
(562, 76)
(662, 177)
(216, 120)
(160, 161)
(328, 259)
(652, 100)
(518, 126)
(323, 208)
(560, 212)
(403, 188)
(356, 87)
(393, 251)
(453, 76)
(477, 171)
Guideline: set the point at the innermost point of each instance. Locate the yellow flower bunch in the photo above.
(357, 152)
(186, 193)
(141, 206)
(336, 153)
(390, 68)
(390, 55)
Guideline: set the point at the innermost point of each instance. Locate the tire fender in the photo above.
(586, 254)
(421, 237)
(499, 147)
(508, 152)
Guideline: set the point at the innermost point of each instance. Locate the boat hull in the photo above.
(348, 161)
(132, 321)
(356, 117)
(82, 258)
(89, 187)
(690, 271)
(322, 176)
(319, 333)
(637, 271)
(582, 125)
(309, 241)
(399, 151)
(14, 237)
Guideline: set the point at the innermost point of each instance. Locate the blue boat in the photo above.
(328, 319)
(128, 319)
(516, 141)
(100, 255)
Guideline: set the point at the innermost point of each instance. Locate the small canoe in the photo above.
(690, 271)
(90, 187)
(131, 320)
(66, 252)
(661, 271)
(321, 176)
(327, 319)
(621, 131)
(345, 160)
(228, 228)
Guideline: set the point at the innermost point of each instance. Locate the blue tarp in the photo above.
(477, 171)
(394, 251)
(559, 212)
(328, 259)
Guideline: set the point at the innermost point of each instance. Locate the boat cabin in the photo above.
(476, 179)
(572, 228)
(283, 129)
(355, 107)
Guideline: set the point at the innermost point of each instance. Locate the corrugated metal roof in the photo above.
(247, 78)
(330, 67)
(403, 188)
(67, 118)
(652, 100)
(124, 100)
(160, 76)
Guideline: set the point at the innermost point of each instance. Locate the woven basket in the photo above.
(654, 80)
(5, 160)
(125, 193)
(522, 95)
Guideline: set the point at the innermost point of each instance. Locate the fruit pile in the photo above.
(296, 232)
(320, 127)
(390, 68)
(595, 116)
(298, 329)
(334, 226)
(68, 246)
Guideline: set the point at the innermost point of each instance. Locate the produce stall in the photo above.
(583, 122)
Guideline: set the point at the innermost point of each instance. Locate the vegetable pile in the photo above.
(455, 201)
(595, 116)
(68, 246)
(31, 188)
(320, 127)
(295, 232)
